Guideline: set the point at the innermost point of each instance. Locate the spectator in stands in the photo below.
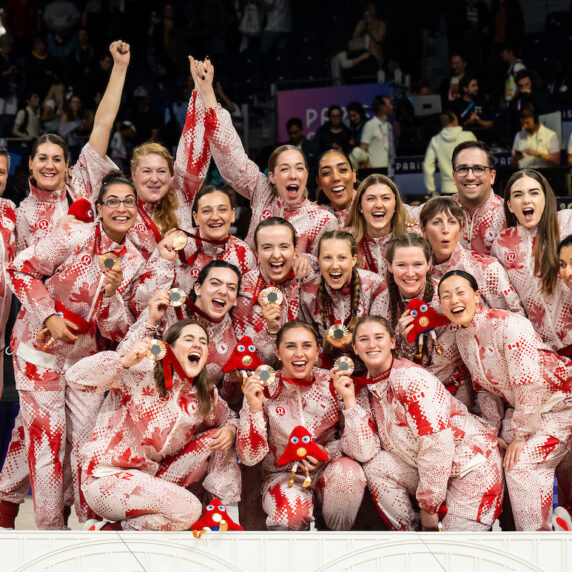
(371, 30)
(333, 134)
(470, 109)
(535, 146)
(297, 138)
(40, 69)
(508, 55)
(449, 89)
(22, 23)
(439, 153)
(76, 125)
(377, 138)
(8, 84)
(61, 16)
(528, 93)
(358, 118)
(27, 123)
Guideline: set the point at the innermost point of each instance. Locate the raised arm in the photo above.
(226, 147)
(109, 106)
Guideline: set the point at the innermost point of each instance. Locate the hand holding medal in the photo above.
(338, 336)
(270, 299)
(343, 383)
(109, 264)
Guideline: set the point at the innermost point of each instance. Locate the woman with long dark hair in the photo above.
(163, 428)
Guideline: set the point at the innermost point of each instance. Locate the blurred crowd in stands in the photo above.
(502, 81)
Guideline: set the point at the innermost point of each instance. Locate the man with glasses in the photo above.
(474, 174)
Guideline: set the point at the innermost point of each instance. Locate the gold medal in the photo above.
(109, 261)
(345, 365)
(177, 297)
(180, 239)
(266, 374)
(157, 351)
(271, 295)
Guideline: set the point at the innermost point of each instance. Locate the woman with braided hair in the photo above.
(378, 213)
(333, 299)
(408, 277)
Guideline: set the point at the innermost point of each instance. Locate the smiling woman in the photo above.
(145, 433)
(265, 430)
(528, 249)
(517, 373)
(76, 287)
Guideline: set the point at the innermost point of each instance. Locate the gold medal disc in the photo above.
(109, 261)
(266, 374)
(180, 239)
(345, 365)
(157, 351)
(271, 295)
(177, 297)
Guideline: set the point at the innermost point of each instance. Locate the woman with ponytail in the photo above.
(408, 277)
(145, 450)
(339, 294)
(528, 249)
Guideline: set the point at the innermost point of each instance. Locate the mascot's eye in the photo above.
(240, 348)
(221, 508)
(294, 440)
(90, 212)
(305, 439)
(423, 308)
(414, 313)
(210, 507)
(251, 349)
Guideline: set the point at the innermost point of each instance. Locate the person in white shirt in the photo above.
(439, 152)
(377, 136)
(535, 146)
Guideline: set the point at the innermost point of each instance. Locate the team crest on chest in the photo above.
(43, 224)
(281, 411)
(266, 214)
(86, 259)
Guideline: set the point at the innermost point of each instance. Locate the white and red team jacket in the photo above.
(309, 219)
(65, 267)
(191, 166)
(7, 253)
(423, 425)
(551, 315)
(494, 284)
(247, 316)
(508, 361)
(39, 212)
(263, 436)
(138, 429)
(484, 225)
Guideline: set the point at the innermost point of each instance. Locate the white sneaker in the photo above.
(561, 520)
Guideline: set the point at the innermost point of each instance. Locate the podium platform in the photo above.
(285, 551)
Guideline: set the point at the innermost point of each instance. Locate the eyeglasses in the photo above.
(478, 170)
(113, 203)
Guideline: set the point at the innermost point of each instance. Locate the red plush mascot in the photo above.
(300, 445)
(425, 320)
(82, 210)
(215, 518)
(243, 358)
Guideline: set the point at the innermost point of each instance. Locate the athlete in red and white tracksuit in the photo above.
(263, 436)
(145, 450)
(191, 166)
(425, 444)
(7, 253)
(494, 284)
(309, 219)
(63, 267)
(183, 271)
(484, 225)
(448, 366)
(340, 301)
(248, 318)
(39, 212)
(509, 364)
(550, 314)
